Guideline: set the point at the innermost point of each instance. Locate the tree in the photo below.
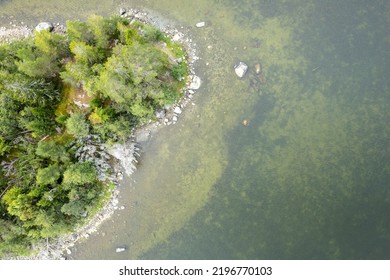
(104, 29)
(80, 174)
(53, 151)
(19, 204)
(38, 120)
(4, 146)
(31, 91)
(77, 125)
(9, 109)
(86, 54)
(52, 44)
(78, 31)
(48, 175)
(35, 63)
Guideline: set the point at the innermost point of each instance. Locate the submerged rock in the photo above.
(245, 122)
(257, 68)
(200, 24)
(240, 69)
(44, 26)
(195, 82)
(120, 249)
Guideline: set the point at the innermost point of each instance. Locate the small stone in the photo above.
(174, 118)
(258, 68)
(177, 110)
(245, 122)
(68, 251)
(120, 249)
(177, 37)
(122, 207)
(240, 69)
(200, 24)
(160, 114)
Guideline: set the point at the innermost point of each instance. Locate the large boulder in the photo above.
(240, 69)
(44, 26)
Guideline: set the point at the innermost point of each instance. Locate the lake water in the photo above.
(308, 178)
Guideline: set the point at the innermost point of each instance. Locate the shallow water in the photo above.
(306, 179)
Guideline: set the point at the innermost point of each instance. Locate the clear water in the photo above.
(308, 178)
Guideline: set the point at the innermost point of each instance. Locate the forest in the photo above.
(60, 92)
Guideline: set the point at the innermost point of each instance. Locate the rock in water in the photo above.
(195, 82)
(44, 26)
(200, 24)
(258, 68)
(240, 69)
(120, 249)
(245, 122)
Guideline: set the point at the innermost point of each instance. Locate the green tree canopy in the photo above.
(48, 175)
(53, 151)
(80, 174)
(77, 125)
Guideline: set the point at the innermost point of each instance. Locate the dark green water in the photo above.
(307, 179)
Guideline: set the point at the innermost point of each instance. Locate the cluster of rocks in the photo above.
(126, 153)
(92, 149)
(241, 69)
(14, 33)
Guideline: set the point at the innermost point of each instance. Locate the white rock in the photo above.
(160, 114)
(200, 24)
(177, 110)
(174, 118)
(44, 26)
(120, 249)
(177, 37)
(195, 83)
(68, 251)
(240, 69)
(126, 154)
(122, 11)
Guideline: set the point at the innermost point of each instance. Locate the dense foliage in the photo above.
(102, 78)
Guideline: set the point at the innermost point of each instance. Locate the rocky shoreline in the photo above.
(59, 248)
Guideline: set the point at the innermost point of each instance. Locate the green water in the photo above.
(308, 178)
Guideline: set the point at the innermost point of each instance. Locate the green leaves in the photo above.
(52, 151)
(77, 125)
(80, 174)
(48, 175)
